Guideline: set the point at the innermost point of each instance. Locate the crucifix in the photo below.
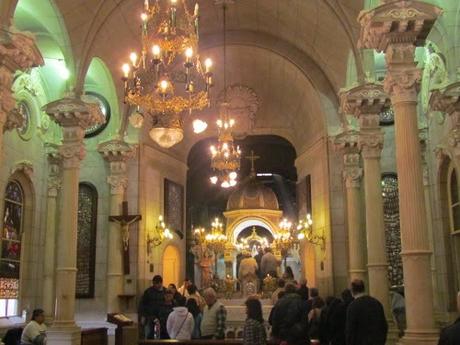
(252, 158)
(125, 220)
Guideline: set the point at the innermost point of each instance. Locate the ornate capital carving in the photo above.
(73, 112)
(72, 153)
(402, 82)
(346, 141)
(371, 144)
(404, 21)
(18, 52)
(364, 99)
(447, 100)
(118, 183)
(116, 150)
(352, 172)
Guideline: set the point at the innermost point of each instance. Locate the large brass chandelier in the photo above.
(225, 157)
(168, 56)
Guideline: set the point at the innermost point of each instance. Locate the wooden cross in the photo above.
(252, 158)
(125, 220)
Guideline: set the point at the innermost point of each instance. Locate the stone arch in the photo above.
(446, 168)
(22, 173)
(171, 261)
(247, 222)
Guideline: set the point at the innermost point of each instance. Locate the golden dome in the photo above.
(252, 195)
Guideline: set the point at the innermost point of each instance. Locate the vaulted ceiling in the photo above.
(293, 53)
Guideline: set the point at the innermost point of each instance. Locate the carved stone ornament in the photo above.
(73, 112)
(447, 100)
(403, 84)
(347, 141)
(13, 120)
(116, 150)
(371, 144)
(24, 167)
(18, 50)
(54, 170)
(364, 99)
(404, 21)
(352, 176)
(72, 153)
(118, 183)
(243, 105)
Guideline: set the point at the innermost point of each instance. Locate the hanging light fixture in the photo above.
(170, 35)
(225, 157)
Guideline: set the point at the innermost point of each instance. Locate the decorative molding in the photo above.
(116, 150)
(352, 172)
(402, 83)
(118, 183)
(54, 169)
(371, 144)
(243, 105)
(363, 99)
(25, 167)
(389, 23)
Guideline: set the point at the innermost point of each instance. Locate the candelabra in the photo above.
(216, 240)
(168, 32)
(159, 234)
(305, 232)
(284, 239)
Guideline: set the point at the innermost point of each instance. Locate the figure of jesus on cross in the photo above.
(125, 220)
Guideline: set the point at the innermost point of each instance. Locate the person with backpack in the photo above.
(180, 323)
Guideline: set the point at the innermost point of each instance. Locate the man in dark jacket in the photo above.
(366, 323)
(451, 334)
(151, 305)
(289, 318)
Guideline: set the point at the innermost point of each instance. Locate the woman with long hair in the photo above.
(254, 329)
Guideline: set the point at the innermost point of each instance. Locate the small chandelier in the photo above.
(283, 239)
(168, 33)
(225, 157)
(245, 242)
(216, 240)
(160, 233)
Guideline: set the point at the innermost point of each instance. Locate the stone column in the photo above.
(366, 102)
(74, 116)
(18, 52)
(352, 174)
(116, 152)
(396, 28)
(54, 184)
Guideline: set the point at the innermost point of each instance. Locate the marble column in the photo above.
(352, 175)
(18, 52)
(396, 28)
(54, 184)
(116, 152)
(366, 102)
(73, 115)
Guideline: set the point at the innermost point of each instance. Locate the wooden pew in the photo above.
(94, 336)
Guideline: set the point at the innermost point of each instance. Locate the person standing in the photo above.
(451, 334)
(214, 317)
(288, 318)
(165, 311)
(195, 310)
(183, 289)
(35, 331)
(254, 329)
(180, 322)
(269, 264)
(366, 323)
(281, 285)
(151, 305)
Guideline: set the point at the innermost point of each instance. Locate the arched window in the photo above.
(454, 221)
(390, 196)
(86, 240)
(10, 255)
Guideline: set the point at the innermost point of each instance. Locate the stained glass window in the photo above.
(86, 240)
(10, 255)
(392, 228)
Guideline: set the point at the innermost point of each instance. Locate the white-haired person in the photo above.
(214, 317)
(451, 334)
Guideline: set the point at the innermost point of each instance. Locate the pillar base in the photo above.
(428, 337)
(63, 335)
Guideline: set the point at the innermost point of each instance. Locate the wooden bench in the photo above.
(94, 336)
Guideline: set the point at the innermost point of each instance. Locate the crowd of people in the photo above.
(299, 315)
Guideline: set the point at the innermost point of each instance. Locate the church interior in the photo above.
(176, 137)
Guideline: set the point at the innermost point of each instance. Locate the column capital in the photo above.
(404, 21)
(364, 99)
(402, 81)
(447, 100)
(116, 152)
(18, 52)
(371, 144)
(347, 141)
(74, 116)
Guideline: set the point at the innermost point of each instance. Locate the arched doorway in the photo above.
(171, 265)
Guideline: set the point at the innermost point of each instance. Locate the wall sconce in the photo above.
(305, 232)
(160, 233)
